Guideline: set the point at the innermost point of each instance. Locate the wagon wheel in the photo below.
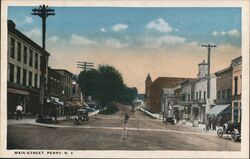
(220, 132)
(234, 136)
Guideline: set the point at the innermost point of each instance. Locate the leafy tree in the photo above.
(88, 81)
(106, 85)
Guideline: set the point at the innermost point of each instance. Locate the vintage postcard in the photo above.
(124, 79)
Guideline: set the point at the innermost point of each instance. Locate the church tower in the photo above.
(148, 83)
(203, 69)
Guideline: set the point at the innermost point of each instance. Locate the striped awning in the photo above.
(218, 109)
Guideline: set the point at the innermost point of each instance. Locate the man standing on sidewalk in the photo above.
(19, 110)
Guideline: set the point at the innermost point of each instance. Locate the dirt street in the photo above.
(104, 132)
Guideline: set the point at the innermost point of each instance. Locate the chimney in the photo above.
(11, 24)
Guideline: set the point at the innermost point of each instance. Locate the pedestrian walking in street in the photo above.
(124, 132)
(19, 110)
(210, 123)
(214, 123)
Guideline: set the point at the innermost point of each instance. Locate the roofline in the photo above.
(223, 70)
(63, 70)
(12, 29)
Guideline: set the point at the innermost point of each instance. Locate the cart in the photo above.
(82, 116)
(233, 129)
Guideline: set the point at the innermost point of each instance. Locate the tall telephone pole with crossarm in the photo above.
(43, 12)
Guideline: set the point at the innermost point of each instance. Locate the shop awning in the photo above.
(73, 103)
(218, 109)
(18, 91)
(78, 103)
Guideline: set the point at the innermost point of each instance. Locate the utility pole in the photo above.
(85, 65)
(208, 46)
(43, 12)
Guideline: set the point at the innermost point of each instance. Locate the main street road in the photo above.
(104, 132)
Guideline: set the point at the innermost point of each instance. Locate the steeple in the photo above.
(148, 77)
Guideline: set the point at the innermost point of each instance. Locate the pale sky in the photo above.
(161, 41)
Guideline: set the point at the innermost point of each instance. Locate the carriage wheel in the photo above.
(220, 132)
(234, 136)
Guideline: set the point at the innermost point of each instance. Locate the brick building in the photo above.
(24, 71)
(156, 89)
(224, 86)
(236, 89)
(71, 93)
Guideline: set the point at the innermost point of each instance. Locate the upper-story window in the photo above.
(25, 54)
(24, 77)
(36, 60)
(235, 85)
(228, 93)
(31, 58)
(199, 94)
(196, 95)
(12, 47)
(30, 78)
(19, 51)
(223, 94)
(11, 73)
(18, 75)
(36, 81)
(204, 95)
(218, 94)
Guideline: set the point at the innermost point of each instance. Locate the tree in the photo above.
(106, 85)
(88, 81)
(111, 84)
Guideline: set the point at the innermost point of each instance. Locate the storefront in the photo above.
(27, 98)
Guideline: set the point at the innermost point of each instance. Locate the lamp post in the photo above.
(43, 12)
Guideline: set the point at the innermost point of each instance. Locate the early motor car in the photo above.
(234, 129)
(82, 115)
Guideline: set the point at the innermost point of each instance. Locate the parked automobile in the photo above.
(89, 109)
(82, 115)
(230, 128)
(43, 119)
(170, 120)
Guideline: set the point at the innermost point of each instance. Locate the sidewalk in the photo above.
(200, 127)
